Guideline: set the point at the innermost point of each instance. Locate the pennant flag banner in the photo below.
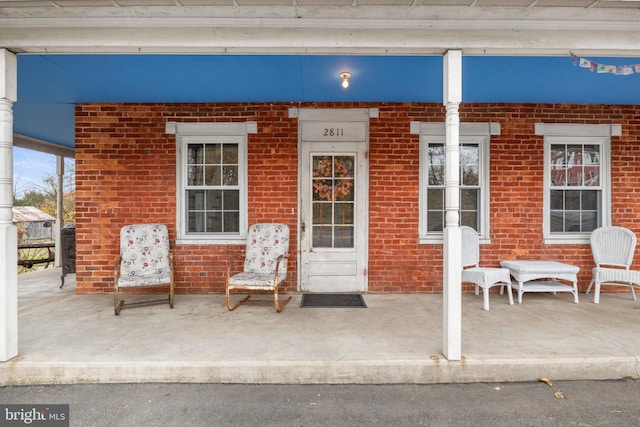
(618, 70)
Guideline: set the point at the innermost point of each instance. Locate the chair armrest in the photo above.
(116, 268)
(231, 261)
(280, 258)
(171, 264)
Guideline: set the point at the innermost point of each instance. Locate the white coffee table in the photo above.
(528, 274)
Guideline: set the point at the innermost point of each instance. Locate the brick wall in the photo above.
(125, 173)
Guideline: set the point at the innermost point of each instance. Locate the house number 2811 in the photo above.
(333, 132)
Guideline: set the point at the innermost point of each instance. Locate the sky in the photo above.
(30, 168)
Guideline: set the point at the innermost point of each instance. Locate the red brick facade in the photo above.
(126, 163)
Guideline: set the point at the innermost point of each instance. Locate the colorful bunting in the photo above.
(618, 70)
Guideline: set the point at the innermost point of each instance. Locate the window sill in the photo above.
(566, 240)
(210, 241)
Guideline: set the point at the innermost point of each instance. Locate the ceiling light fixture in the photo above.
(345, 79)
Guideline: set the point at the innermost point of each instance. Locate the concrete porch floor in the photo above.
(69, 338)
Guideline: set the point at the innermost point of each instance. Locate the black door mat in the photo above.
(332, 300)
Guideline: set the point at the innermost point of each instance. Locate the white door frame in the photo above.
(327, 116)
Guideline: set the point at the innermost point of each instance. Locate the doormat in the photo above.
(332, 300)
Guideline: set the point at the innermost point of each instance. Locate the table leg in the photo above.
(575, 292)
(520, 291)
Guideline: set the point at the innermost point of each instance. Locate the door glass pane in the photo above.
(333, 201)
(343, 237)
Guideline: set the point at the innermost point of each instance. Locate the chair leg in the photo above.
(589, 288)
(279, 307)
(485, 299)
(171, 288)
(228, 300)
(116, 302)
(596, 294)
(633, 292)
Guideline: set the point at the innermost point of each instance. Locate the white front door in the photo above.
(334, 208)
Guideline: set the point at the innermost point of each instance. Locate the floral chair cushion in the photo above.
(265, 243)
(144, 249)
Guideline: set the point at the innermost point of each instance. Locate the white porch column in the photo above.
(8, 231)
(59, 210)
(452, 268)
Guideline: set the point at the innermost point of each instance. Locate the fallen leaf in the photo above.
(558, 394)
(546, 381)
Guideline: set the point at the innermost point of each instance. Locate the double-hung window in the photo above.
(576, 181)
(211, 182)
(474, 178)
(212, 185)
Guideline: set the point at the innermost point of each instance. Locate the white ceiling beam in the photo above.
(321, 40)
(296, 29)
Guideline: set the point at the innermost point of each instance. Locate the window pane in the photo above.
(230, 154)
(435, 164)
(557, 199)
(212, 175)
(590, 200)
(469, 199)
(322, 189)
(344, 190)
(435, 221)
(572, 222)
(322, 213)
(195, 175)
(214, 200)
(572, 200)
(322, 166)
(589, 221)
(469, 164)
(435, 199)
(230, 175)
(343, 237)
(558, 166)
(574, 165)
(231, 200)
(322, 237)
(214, 222)
(591, 162)
(470, 219)
(343, 167)
(212, 154)
(231, 222)
(343, 213)
(556, 221)
(195, 200)
(469, 175)
(196, 222)
(194, 154)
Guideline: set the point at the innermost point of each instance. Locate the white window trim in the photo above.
(584, 133)
(436, 132)
(187, 132)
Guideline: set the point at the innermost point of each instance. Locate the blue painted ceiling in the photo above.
(49, 85)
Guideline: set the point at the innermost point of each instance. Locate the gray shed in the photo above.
(36, 224)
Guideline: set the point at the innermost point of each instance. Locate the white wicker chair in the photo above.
(145, 261)
(265, 264)
(613, 249)
(482, 277)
